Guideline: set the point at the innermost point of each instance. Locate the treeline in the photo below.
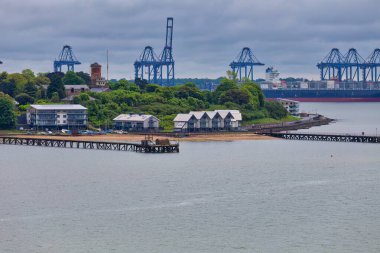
(27, 88)
(166, 102)
(140, 97)
(19, 90)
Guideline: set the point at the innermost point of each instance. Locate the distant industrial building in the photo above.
(75, 89)
(96, 76)
(136, 122)
(291, 106)
(57, 116)
(208, 121)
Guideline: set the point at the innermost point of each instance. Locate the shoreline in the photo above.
(253, 132)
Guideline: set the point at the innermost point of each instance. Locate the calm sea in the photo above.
(241, 196)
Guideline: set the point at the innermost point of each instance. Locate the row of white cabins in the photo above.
(191, 122)
(75, 116)
(208, 121)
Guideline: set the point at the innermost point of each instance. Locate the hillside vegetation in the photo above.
(140, 97)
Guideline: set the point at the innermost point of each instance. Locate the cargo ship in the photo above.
(324, 95)
(319, 91)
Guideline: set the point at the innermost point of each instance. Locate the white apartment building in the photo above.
(57, 116)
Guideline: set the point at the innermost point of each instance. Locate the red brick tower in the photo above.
(96, 72)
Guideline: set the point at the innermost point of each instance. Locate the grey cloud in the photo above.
(290, 35)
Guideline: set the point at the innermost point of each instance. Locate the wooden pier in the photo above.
(326, 137)
(143, 147)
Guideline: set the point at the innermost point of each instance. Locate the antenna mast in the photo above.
(107, 66)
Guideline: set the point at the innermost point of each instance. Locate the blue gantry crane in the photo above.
(331, 66)
(147, 65)
(243, 64)
(371, 68)
(66, 57)
(351, 66)
(159, 70)
(166, 64)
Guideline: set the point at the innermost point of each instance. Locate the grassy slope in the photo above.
(271, 120)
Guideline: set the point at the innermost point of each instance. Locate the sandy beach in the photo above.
(139, 137)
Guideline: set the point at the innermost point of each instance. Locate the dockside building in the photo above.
(136, 122)
(57, 116)
(291, 106)
(229, 120)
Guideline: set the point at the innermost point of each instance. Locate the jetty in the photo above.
(325, 137)
(305, 123)
(146, 146)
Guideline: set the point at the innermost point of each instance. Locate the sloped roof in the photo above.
(198, 115)
(211, 114)
(95, 64)
(286, 100)
(100, 89)
(76, 86)
(223, 113)
(58, 107)
(183, 117)
(235, 114)
(134, 117)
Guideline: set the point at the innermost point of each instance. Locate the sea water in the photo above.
(239, 196)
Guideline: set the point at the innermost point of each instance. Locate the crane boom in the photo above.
(169, 32)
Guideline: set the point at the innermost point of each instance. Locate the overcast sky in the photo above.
(291, 35)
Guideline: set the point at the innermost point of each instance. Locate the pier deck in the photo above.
(326, 137)
(82, 144)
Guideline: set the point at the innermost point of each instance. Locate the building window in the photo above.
(64, 122)
(64, 115)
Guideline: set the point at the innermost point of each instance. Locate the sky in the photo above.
(290, 35)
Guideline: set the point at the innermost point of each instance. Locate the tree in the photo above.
(24, 99)
(256, 91)
(232, 75)
(276, 110)
(30, 89)
(40, 93)
(141, 83)
(8, 87)
(85, 76)
(56, 85)
(28, 74)
(55, 97)
(7, 113)
(72, 78)
(225, 85)
(240, 97)
(152, 87)
(41, 81)
(19, 80)
(3, 76)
